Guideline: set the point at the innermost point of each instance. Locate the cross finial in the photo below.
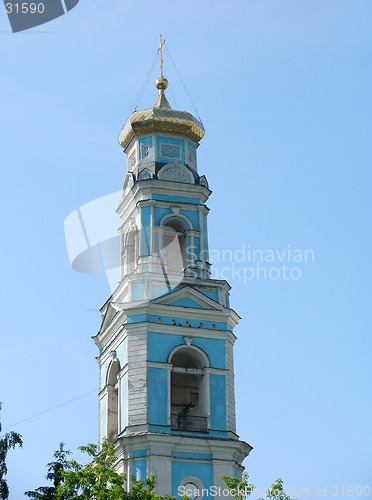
(160, 50)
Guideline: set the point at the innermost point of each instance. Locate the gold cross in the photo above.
(160, 51)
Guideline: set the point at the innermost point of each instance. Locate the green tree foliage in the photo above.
(241, 488)
(276, 491)
(55, 469)
(7, 442)
(96, 480)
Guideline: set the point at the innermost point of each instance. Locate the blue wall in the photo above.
(139, 468)
(218, 401)
(215, 348)
(157, 396)
(160, 345)
(159, 213)
(145, 233)
(177, 144)
(211, 294)
(200, 470)
(187, 302)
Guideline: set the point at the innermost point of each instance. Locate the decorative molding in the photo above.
(204, 182)
(188, 340)
(192, 157)
(132, 160)
(176, 173)
(145, 151)
(145, 174)
(170, 150)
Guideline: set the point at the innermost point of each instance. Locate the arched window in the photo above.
(130, 251)
(174, 247)
(112, 401)
(189, 390)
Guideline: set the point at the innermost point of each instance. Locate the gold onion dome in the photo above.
(161, 118)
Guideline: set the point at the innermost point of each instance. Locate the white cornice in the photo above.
(208, 283)
(165, 444)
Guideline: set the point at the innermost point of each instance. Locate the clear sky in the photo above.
(284, 90)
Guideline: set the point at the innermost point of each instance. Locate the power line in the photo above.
(174, 99)
(184, 86)
(140, 94)
(50, 409)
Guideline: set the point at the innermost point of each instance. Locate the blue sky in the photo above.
(284, 91)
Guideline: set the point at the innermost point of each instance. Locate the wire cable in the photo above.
(50, 409)
(144, 85)
(184, 86)
(173, 98)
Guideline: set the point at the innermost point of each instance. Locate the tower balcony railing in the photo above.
(189, 423)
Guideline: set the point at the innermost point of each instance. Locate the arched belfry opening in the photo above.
(189, 390)
(130, 251)
(112, 387)
(174, 245)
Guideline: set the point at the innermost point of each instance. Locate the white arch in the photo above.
(181, 217)
(112, 418)
(130, 249)
(110, 371)
(130, 233)
(200, 352)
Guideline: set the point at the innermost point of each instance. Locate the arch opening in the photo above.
(189, 391)
(112, 387)
(175, 244)
(130, 251)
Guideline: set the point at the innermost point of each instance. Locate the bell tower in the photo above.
(166, 340)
